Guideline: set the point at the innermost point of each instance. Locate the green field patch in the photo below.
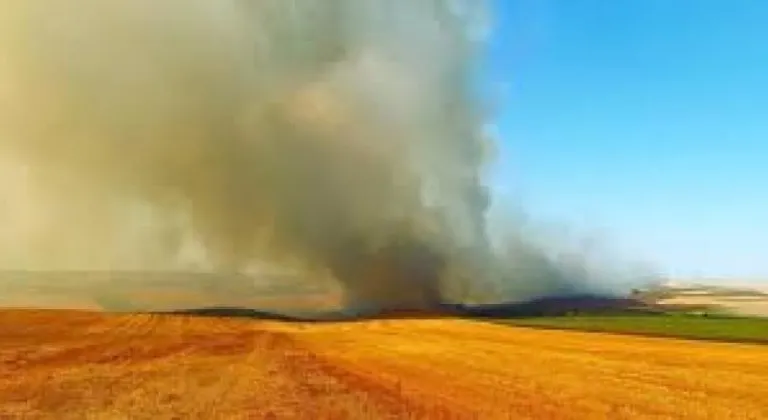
(712, 327)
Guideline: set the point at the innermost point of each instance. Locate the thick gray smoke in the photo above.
(340, 138)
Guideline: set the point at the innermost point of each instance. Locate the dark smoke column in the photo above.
(402, 276)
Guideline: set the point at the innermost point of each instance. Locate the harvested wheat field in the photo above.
(75, 365)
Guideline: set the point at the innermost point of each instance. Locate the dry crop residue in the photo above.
(67, 364)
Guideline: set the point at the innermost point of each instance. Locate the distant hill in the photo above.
(728, 297)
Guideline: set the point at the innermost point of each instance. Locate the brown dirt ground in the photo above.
(86, 365)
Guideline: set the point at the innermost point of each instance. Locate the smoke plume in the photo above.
(339, 138)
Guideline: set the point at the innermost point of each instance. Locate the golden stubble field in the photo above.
(86, 365)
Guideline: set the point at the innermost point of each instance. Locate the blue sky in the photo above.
(643, 120)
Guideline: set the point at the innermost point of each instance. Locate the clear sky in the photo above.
(643, 119)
